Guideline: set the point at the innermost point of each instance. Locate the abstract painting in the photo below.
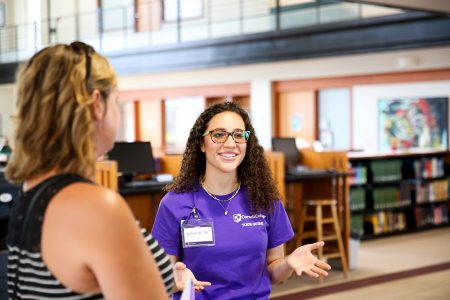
(413, 123)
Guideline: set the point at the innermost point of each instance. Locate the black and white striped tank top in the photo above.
(28, 276)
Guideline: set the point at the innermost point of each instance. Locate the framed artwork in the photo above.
(413, 123)
(2, 14)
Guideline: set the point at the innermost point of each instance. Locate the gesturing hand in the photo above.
(182, 273)
(302, 260)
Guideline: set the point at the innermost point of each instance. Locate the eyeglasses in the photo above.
(220, 136)
(88, 50)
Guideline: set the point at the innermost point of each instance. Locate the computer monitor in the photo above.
(289, 148)
(133, 158)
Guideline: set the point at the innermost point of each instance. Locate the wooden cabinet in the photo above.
(392, 194)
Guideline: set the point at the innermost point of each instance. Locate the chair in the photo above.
(276, 165)
(106, 174)
(171, 164)
(3, 276)
(322, 213)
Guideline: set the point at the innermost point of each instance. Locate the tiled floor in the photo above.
(385, 256)
(430, 286)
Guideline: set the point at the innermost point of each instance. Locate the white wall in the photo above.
(261, 111)
(365, 106)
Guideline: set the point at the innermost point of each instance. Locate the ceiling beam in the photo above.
(434, 6)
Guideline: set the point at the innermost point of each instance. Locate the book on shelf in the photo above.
(429, 167)
(386, 170)
(388, 197)
(436, 215)
(358, 175)
(435, 191)
(357, 199)
(385, 222)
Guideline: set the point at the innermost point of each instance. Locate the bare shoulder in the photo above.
(102, 244)
(88, 210)
(90, 199)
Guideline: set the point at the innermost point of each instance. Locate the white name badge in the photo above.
(197, 232)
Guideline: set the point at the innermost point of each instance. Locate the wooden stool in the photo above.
(319, 219)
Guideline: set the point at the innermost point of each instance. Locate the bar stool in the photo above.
(322, 206)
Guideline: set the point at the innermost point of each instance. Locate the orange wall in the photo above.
(298, 115)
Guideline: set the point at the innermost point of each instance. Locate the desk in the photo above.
(319, 185)
(152, 189)
(8, 192)
(144, 201)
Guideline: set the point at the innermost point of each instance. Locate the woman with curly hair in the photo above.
(222, 219)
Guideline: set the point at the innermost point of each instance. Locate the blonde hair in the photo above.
(54, 121)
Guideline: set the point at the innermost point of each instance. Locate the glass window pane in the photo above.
(126, 131)
(334, 116)
(117, 14)
(181, 114)
(189, 9)
(151, 124)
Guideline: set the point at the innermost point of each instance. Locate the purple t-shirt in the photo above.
(236, 266)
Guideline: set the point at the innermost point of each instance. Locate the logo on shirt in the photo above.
(237, 218)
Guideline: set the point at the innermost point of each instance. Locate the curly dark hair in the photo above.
(253, 172)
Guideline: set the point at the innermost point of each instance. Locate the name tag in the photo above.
(197, 232)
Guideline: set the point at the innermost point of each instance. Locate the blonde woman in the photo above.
(68, 237)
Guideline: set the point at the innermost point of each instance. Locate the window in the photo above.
(116, 15)
(188, 9)
(334, 116)
(151, 119)
(2, 14)
(181, 114)
(126, 132)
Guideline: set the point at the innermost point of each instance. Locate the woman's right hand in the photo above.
(182, 273)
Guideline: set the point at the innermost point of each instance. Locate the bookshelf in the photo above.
(397, 193)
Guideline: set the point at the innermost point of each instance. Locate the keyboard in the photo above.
(301, 170)
(142, 183)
